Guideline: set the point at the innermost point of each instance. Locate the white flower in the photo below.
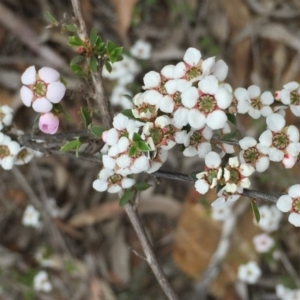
(141, 49)
(192, 56)
(31, 217)
(221, 213)
(8, 150)
(151, 80)
(291, 203)
(285, 293)
(263, 243)
(24, 156)
(118, 97)
(41, 282)
(42, 89)
(112, 182)
(249, 273)
(6, 115)
(224, 197)
(270, 218)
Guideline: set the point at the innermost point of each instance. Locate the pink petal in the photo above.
(42, 105)
(26, 95)
(48, 74)
(29, 76)
(55, 91)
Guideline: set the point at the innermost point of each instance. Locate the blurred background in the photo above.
(84, 241)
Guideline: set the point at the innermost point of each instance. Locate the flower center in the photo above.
(207, 103)
(211, 175)
(116, 178)
(255, 103)
(296, 205)
(22, 154)
(40, 88)
(280, 140)
(156, 134)
(295, 98)
(4, 151)
(196, 138)
(162, 89)
(234, 176)
(251, 155)
(193, 73)
(177, 99)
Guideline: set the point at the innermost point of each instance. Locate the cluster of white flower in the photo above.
(249, 273)
(125, 71)
(31, 217)
(285, 293)
(11, 153)
(41, 282)
(43, 90)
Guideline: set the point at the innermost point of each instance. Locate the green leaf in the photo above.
(110, 47)
(108, 66)
(76, 69)
(99, 41)
(231, 135)
(66, 114)
(231, 118)
(85, 116)
(136, 137)
(142, 186)
(75, 41)
(255, 211)
(97, 130)
(93, 37)
(93, 64)
(70, 145)
(77, 59)
(128, 113)
(50, 17)
(125, 197)
(193, 175)
(117, 51)
(143, 146)
(132, 150)
(71, 27)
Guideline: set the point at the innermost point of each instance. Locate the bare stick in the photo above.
(151, 259)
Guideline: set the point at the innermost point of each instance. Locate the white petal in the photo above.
(254, 113)
(55, 91)
(179, 70)
(295, 109)
(294, 191)
(223, 97)
(127, 183)
(26, 95)
(42, 105)
(293, 133)
(253, 91)
(196, 119)
(108, 162)
(220, 70)
(246, 169)
(216, 120)
(289, 161)
(207, 66)
(100, 185)
(171, 86)
(180, 117)
(189, 97)
(201, 186)
(275, 122)
(112, 137)
(284, 203)
(190, 151)
(266, 98)
(203, 149)
(167, 71)
(247, 142)
(285, 96)
(115, 188)
(166, 104)
(29, 76)
(123, 144)
(294, 219)
(152, 97)
(291, 86)
(218, 202)
(151, 80)
(275, 154)
(212, 160)
(192, 56)
(265, 139)
(209, 85)
(48, 74)
(262, 164)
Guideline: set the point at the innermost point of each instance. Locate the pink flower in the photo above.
(48, 123)
(41, 89)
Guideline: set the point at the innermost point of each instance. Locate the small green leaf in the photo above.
(50, 17)
(66, 114)
(93, 37)
(75, 41)
(110, 47)
(93, 64)
(108, 66)
(70, 145)
(132, 150)
(117, 51)
(77, 59)
(85, 116)
(99, 41)
(193, 175)
(231, 135)
(76, 69)
(36, 121)
(255, 211)
(142, 186)
(97, 130)
(136, 137)
(71, 27)
(125, 197)
(143, 146)
(231, 118)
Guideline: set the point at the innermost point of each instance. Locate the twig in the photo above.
(151, 259)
